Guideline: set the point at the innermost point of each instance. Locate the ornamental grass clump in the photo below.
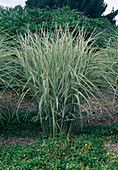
(3, 60)
(56, 69)
(3, 55)
(6, 69)
(111, 55)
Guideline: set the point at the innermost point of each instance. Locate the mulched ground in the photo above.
(107, 114)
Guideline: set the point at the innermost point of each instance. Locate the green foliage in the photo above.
(4, 54)
(83, 151)
(14, 21)
(111, 16)
(33, 3)
(18, 9)
(91, 8)
(22, 127)
(46, 4)
(10, 20)
(112, 51)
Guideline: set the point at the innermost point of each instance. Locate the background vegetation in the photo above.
(20, 20)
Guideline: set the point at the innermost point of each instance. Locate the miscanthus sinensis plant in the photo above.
(3, 56)
(56, 69)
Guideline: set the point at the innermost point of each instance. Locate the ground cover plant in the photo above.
(82, 150)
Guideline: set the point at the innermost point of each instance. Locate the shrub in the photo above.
(17, 20)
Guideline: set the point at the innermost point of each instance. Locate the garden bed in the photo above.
(9, 103)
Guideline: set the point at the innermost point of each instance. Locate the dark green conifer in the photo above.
(111, 16)
(32, 3)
